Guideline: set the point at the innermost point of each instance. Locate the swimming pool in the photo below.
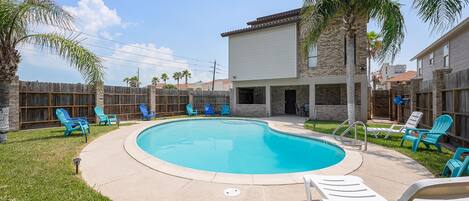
(236, 146)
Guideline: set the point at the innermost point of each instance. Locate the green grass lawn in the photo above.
(37, 165)
(431, 159)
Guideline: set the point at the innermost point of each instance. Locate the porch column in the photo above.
(267, 100)
(364, 100)
(312, 101)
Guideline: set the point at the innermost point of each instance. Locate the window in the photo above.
(251, 95)
(312, 56)
(446, 56)
(431, 59)
(419, 67)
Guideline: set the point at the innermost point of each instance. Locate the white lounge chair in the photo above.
(343, 188)
(454, 188)
(412, 122)
(349, 188)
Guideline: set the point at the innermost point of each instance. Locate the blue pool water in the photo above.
(236, 146)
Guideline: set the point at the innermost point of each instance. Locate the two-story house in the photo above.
(451, 51)
(272, 75)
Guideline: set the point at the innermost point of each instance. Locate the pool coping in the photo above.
(351, 162)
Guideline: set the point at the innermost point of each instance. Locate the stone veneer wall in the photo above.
(278, 97)
(335, 94)
(14, 117)
(334, 112)
(250, 110)
(331, 51)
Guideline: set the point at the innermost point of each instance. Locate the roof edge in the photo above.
(448, 34)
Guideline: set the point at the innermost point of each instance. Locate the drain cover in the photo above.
(231, 192)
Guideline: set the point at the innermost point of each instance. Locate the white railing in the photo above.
(355, 141)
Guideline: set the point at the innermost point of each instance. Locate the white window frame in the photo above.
(431, 58)
(313, 56)
(446, 56)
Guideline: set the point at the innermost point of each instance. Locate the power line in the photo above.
(130, 45)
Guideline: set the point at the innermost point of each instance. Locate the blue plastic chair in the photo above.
(146, 115)
(429, 137)
(67, 116)
(455, 166)
(106, 119)
(209, 110)
(72, 124)
(190, 110)
(225, 110)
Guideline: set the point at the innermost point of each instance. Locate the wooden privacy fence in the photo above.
(124, 101)
(171, 102)
(380, 103)
(38, 101)
(455, 100)
(215, 98)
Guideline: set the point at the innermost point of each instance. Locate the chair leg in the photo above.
(445, 170)
(455, 172)
(415, 145)
(308, 190)
(402, 141)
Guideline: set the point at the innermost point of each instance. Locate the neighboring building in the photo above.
(386, 72)
(451, 51)
(220, 85)
(401, 79)
(272, 76)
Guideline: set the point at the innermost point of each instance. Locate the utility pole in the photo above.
(138, 76)
(214, 71)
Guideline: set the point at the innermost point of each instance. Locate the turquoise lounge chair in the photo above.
(209, 110)
(190, 110)
(225, 110)
(107, 119)
(67, 116)
(146, 115)
(455, 166)
(429, 137)
(71, 124)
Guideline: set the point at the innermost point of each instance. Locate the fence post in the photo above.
(99, 97)
(438, 83)
(14, 111)
(152, 95)
(414, 88)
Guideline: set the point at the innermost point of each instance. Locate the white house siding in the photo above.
(264, 54)
(459, 52)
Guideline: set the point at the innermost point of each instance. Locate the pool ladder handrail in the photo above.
(355, 140)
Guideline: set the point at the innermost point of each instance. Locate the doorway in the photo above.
(290, 102)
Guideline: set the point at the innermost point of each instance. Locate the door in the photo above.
(290, 102)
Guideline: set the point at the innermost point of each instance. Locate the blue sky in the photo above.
(159, 36)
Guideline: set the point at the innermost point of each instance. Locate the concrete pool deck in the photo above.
(109, 169)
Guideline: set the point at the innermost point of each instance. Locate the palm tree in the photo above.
(155, 80)
(374, 46)
(16, 21)
(186, 74)
(126, 81)
(318, 14)
(134, 81)
(440, 14)
(164, 77)
(177, 76)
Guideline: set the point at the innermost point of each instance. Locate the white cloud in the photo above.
(93, 16)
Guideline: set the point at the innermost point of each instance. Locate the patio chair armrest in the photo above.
(418, 129)
(459, 151)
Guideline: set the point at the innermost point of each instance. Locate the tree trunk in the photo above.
(4, 109)
(350, 69)
(9, 59)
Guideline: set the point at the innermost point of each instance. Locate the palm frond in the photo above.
(44, 12)
(440, 14)
(315, 16)
(87, 63)
(388, 15)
